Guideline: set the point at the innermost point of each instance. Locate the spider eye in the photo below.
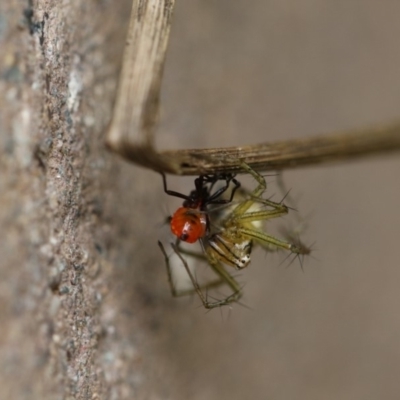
(188, 225)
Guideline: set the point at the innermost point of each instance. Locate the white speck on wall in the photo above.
(74, 87)
(89, 121)
(22, 137)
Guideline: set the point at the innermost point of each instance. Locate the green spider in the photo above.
(230, 240)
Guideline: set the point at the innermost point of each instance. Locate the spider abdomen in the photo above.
(188, 224)
(230, 250)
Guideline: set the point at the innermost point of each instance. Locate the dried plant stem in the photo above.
(290, 153)
(131, 133)
(135, 114)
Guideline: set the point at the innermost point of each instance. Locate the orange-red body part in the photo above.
(189, 224)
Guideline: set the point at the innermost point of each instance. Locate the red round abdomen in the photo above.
(188, 224)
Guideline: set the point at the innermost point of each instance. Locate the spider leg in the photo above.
(228, 179)
(172, 192)
(262, 215)
(270, 203)
(240, 217)
(225, 278)
(269, 240)
(262, 185)
(179, 293)
(254, 195)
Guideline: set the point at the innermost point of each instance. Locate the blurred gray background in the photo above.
(241, 72)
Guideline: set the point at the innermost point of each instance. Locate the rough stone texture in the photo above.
(85, 308)
(59, 66)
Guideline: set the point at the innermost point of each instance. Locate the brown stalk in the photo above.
(132, 129)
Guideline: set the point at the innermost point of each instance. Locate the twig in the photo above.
(290, 153)
(132, 128)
